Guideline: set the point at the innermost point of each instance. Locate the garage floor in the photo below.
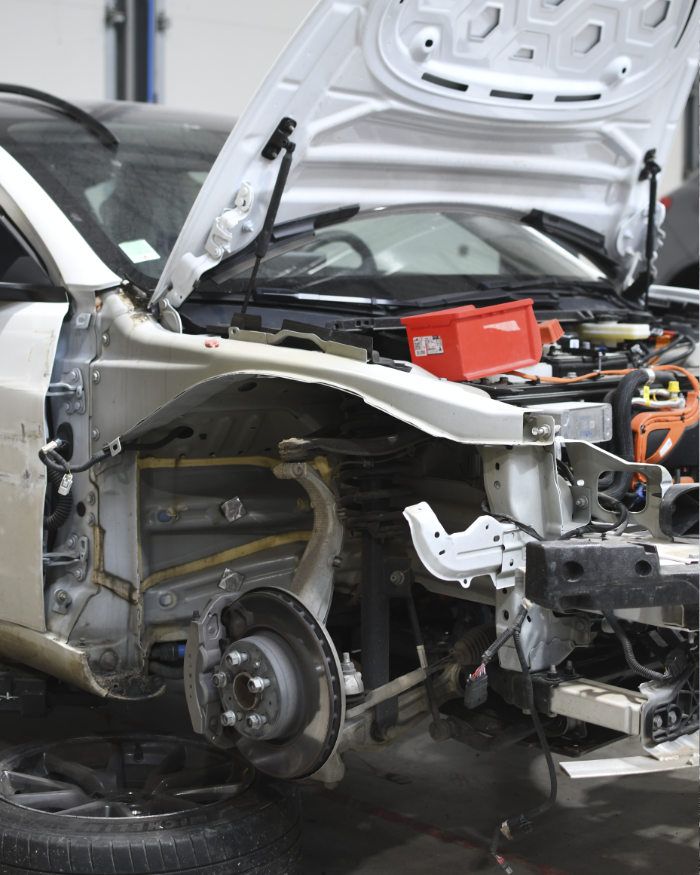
(422, 807)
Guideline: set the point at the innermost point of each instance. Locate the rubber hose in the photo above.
(622, 429)
(63, 506)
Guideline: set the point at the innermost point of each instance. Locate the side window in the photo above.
(17, 264)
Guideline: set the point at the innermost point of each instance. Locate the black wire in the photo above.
(523, 822)
(628, 651)
(504, 518)
(493, 649)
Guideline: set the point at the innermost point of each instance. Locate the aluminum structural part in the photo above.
(602, 704)
(313, 580)
(681, 753)
(488, 547)
(546, 638)
(579, 420)
(589, 463)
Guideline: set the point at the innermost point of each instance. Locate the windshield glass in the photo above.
(441, 243)
(130, 202)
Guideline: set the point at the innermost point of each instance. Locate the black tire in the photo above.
(257, 833)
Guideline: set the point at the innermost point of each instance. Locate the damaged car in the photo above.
(379, 418)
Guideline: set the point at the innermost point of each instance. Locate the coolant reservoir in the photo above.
(610, 333)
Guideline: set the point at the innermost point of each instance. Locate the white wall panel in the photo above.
(55, 45)
(216, 52)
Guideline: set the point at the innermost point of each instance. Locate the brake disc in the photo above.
(262, 675)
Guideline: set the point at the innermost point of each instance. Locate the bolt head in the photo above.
(95, 434)
(79, 573)
(62, 596)
(228, 718)
(234, 658)
(257, 684)
(658, 721)
(219, 679)
(96, 376)
(166, 600)
(256, 721)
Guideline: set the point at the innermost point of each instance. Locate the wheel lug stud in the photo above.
(256, 721)
(220, 678)
(257, 684)
(228, 718)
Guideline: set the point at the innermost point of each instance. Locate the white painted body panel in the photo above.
(69, 260)
(29, 333)
(547, 105)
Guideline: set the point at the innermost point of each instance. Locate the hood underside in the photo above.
(547, 104)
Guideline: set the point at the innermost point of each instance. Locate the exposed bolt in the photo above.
(92, 519)
(396, 578)
(105, 339)
(62, 597)
(90, 498)
(256, 721)
(219, 678)
(73, 375)
(96, 376)
(72, 542)
(658, 721)
(235, 658)
(337, 560)
(672, 717)
(79, 573)
(581, 501)
(95, 434)
(166, 600)
(541, 431)
(228, 718)
(247, 226)
(257, 684)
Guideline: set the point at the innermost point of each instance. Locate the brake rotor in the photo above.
(262, 675)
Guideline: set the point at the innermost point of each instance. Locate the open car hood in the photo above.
(548, 104)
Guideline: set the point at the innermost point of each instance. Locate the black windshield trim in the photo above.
(95, 126)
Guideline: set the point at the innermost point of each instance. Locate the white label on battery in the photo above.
(510, 325)
(665, 447)
(428, 345)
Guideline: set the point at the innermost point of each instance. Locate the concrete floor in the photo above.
(421, 807)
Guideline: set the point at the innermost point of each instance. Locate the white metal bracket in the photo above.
(488, 547)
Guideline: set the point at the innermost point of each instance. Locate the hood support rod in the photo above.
(650, 171)
(277, 142)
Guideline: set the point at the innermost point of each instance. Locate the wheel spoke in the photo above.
(13, 782)
(51, 800)
(99, 807)
(85, 777)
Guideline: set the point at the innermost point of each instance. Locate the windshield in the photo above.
(444, 244)
(130, 202)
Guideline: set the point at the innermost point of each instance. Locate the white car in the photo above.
(221, 462)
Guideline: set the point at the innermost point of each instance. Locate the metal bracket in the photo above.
(71, 384)
(589, 462)
(73, 556)
(488, 547)
(221, 234)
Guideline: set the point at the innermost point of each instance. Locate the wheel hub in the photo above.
(262, 675)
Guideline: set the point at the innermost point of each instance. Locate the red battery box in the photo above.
(466, 343)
